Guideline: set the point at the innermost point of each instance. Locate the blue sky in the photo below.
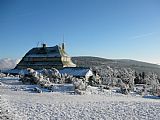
(119, 29)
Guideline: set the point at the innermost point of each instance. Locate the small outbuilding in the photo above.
(77, 72)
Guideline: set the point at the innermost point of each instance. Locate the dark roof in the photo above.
(55, 51)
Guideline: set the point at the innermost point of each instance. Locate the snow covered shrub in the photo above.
(67, 78)
(29, 78)
(30, 70)
(2, 75)
(45, 83)
(55, 77)
(92, 81)
(62, 79)
(79, 84)
(52, 74)
(47, 78)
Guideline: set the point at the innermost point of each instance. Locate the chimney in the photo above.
(63, 46)
(44, 45)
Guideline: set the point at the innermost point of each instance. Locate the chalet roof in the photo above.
(76, 71)
(55, 51)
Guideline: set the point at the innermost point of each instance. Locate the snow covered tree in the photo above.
(152, 80)
(107, 75)
(127, 76)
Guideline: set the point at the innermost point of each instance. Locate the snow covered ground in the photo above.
(18, 102)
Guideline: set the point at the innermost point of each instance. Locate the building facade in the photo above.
(46, 57)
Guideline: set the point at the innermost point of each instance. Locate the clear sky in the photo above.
(119, 29)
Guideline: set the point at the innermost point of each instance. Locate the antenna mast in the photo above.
(37, 43)
(63, 38)
(63, 46)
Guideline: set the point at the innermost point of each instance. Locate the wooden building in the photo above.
(46, 57)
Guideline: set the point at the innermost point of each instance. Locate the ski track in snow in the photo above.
(23, 105)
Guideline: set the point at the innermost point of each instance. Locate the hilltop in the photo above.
(89, 61)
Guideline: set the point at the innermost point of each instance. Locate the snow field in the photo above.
(104, 110)
(98, 105)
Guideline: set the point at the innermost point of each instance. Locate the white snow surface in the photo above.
(17, 102)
